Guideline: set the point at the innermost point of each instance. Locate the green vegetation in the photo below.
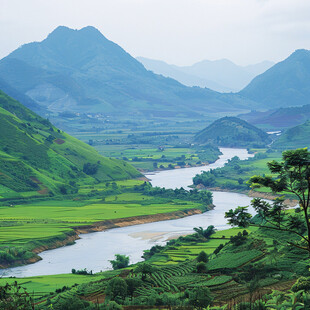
(38, 159)
(236, 173)
(292, 138)
(24, 227)
(263, 257)
(121, 261)
(233, 132)
(290, 175)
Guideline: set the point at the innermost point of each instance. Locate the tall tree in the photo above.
(291, 175)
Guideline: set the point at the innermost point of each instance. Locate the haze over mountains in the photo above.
(83, 72)
(220, 75)
(285, 84)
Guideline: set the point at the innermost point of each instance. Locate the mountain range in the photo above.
(81, 71)
(220, 75)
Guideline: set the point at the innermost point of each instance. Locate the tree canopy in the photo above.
(291, 175)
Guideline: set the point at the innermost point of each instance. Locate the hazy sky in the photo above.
(177, 31)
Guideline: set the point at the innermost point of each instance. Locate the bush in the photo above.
(303, 283)
(117, 289)
(121, 261)
(90, 169)
(202, 257)
(201, 267)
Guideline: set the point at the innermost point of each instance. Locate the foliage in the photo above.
(201, 267)
(117, 289)
(120, 261)
(13, 297)
(232, 132)
(303, 283)
(200, 297)
(202, 257)
(291, 175)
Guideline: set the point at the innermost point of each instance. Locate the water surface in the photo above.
(94, 250)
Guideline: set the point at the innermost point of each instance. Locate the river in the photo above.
(94, 250)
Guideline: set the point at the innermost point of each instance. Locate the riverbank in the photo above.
(289, 202)
(70, 237)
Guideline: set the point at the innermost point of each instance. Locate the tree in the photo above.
(200, 297)
(291, 175)
(201, 267)
(145, 269)
(132, 285)
(13, 297)
(117, 289)
(206, 233)
(121, 261)
(202, 257)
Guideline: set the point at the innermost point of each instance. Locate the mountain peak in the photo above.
(300, 53)
(63, 33)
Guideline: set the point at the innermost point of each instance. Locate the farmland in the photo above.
(170, 281)
(38, 222)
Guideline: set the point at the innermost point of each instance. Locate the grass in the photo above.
(47, 284)
(38, 158)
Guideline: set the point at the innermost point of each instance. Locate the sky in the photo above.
(179, 32)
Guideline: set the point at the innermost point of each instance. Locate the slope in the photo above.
(219, 75)
(82, 71)
(285, 84)
(38, 158)
(292, 138)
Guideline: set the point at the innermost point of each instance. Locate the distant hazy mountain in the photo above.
(219, 75)
(278, 118)
(82, 71)
(232, 132)
(285, 84)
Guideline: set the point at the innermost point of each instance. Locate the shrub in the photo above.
(121, 261)
(303, 283)
(201, 267)
(202, 257)
(90, 169)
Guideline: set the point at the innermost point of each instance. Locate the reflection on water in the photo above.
(93, 251)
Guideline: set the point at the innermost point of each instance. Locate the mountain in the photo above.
(283, 85)
(219, 75)
(278, 118)
(292, 138)
(232, 132)
(37, 157)
(82, 71)
(175, 72)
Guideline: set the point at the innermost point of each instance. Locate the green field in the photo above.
(39, 222)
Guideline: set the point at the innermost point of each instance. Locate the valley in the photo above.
(128, 182)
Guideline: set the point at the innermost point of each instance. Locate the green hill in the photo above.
(82, 71)
(232, 132)
(37, 158)
(296, 137)
(283, 85)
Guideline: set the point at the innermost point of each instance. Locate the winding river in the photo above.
(94, 250)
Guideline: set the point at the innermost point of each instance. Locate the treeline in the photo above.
(232, 176)
(178, 193)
